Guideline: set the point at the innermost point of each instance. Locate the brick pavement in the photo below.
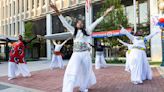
(111, 79)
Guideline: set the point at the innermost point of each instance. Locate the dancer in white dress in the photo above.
(139, 65)
(100, 59)
(57, 61)
(130, 46)
(79, 71)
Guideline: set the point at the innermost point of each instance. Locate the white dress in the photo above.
(139, 65)
(127, 64)
(79, 71)
(57, 61)
(100, 59)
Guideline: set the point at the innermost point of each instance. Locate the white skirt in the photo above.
(79, 72)
(127, 64)
(13, 71)
(57, 62)
(100, 60)
(23, 68)
(139, 66)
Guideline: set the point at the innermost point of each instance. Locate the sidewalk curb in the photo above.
(20, 87)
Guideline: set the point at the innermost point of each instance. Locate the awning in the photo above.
(4, 38)
(59, 36)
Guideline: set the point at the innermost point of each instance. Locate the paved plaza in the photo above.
(111, 79)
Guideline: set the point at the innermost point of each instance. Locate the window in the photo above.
(33, 4)
(14, 29)
(18, 6)
(10, 10)
(18, 27)
(27, 5)
(44, 2)
(14, 7)
(37, 3)
(23, 6)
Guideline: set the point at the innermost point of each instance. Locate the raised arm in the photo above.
(153, 34)
(124, 43)
(66, 25)
(62, 19)
(124, 31)
(94, 24)
(66, 40)
(54, 42)
(91, 45)
(32, 39)
(25, 42)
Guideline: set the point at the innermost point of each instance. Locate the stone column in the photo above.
(156, 47)
(48, 32)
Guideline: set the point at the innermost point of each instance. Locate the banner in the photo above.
(106, 34)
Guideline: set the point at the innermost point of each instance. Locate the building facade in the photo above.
(15, 13)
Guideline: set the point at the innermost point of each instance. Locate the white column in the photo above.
(40, 6)
(35, 7)
(22, 27)
(48, 32)
(25, 8)
(16, 28)
(5, 33)
(156, 47)
(12, 29)
(47, 5)
(29, 7)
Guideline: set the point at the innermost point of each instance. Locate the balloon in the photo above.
(161, 20)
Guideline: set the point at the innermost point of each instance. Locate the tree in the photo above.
(115, 18)
(28, 34)
(112, 21)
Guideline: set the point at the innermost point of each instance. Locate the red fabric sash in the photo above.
(58, 53)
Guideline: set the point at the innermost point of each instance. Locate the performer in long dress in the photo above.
(100, 59)
(17, 63)
(79, 71)
(130, 46)
(139, 65)
(13, 71)
(57, 61)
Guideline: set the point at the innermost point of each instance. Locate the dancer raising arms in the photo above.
(57, 61)
(127, 65)
(79, 71)
(139, 65)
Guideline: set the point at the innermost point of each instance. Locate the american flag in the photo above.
(88, 4)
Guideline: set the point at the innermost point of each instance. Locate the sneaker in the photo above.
(97, 68)
(135, 82)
